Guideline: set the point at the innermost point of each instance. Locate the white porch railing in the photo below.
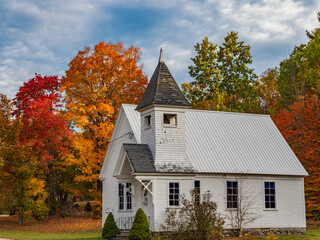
(125, 223)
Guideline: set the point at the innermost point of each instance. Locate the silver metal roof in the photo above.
(223, 142)
(134, 120)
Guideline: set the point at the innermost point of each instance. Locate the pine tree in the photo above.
(110, 228)
(140, 229)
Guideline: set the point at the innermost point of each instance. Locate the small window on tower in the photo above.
(147, 121)
(170, 119)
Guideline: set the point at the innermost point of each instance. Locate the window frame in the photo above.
(197, 191)
(125, 196)
(147, 121)
(172, 115)
(121, 204)
(275, 195)
(232, 194)
(179, 200)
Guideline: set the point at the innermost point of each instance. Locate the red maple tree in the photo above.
(38, 103)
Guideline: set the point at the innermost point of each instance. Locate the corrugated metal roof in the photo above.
(134, 120)
(238, 143)
(222, 142)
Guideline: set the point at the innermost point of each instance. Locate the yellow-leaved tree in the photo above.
(97, 82)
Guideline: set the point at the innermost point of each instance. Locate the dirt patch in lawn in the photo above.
(52, 224)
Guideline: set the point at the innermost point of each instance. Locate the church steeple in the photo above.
(162, 88)
(163, 121)
(161, 60)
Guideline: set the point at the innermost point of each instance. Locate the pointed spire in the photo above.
(161, 60)
(162, 88)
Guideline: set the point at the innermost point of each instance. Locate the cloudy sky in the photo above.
(43, 36)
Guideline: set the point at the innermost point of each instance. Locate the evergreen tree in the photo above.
(110, 228)
(140, 229)
(223, 79)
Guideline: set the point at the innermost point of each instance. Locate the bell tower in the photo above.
(163, 127)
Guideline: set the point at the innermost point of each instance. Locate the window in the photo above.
(170, 119)
(145, 197)
(174, 194)
(129, 196)
(125, 196)
(147, 121)
(197, 191)
(121, 197)
(232, 194)
(270, 195)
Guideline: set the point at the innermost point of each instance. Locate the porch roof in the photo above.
(140, 157)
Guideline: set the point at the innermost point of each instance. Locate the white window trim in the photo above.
(168, 192)
(125, 197)
(276, 195)
(194, 187)
(226, 194)
(145, 119)
(168, 124)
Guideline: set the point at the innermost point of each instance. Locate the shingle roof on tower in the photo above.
(162, 88)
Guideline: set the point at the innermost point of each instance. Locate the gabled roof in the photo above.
(162, 89)
(223, 142)
(140, 157)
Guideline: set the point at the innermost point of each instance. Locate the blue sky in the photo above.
(43, 36)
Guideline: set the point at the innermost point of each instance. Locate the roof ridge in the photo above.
(224, 112)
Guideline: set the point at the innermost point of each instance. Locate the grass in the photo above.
(34, 235)
(90, 229)
(312, 234)
(53, 228)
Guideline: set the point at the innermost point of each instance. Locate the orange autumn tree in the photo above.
(97, 82)
(300, 125)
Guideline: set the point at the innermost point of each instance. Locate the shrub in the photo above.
(197, 219)
(110, 228)
(88, 207)
(97, 213)
(140, 229)
(271, 236)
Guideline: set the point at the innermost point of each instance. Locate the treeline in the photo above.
(55, 132)
(224, 81)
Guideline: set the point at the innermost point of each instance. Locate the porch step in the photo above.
(123, 235)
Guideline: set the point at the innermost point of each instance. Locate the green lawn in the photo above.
(30, 235)
(313, 234)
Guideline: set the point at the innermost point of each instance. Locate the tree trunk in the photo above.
(21, 203)
(99, 186)
(52, 190)
(21, 218)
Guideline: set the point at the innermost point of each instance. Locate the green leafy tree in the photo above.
(300, 73)
(140, 229)
(292, 81)
(267, 90)
(110, 228)
(22, 186)
(223, 79)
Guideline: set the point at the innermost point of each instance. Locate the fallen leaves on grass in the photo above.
(52, 225)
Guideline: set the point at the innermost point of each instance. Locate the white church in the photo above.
(161, 149)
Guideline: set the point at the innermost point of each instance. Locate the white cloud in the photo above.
(54, 30)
